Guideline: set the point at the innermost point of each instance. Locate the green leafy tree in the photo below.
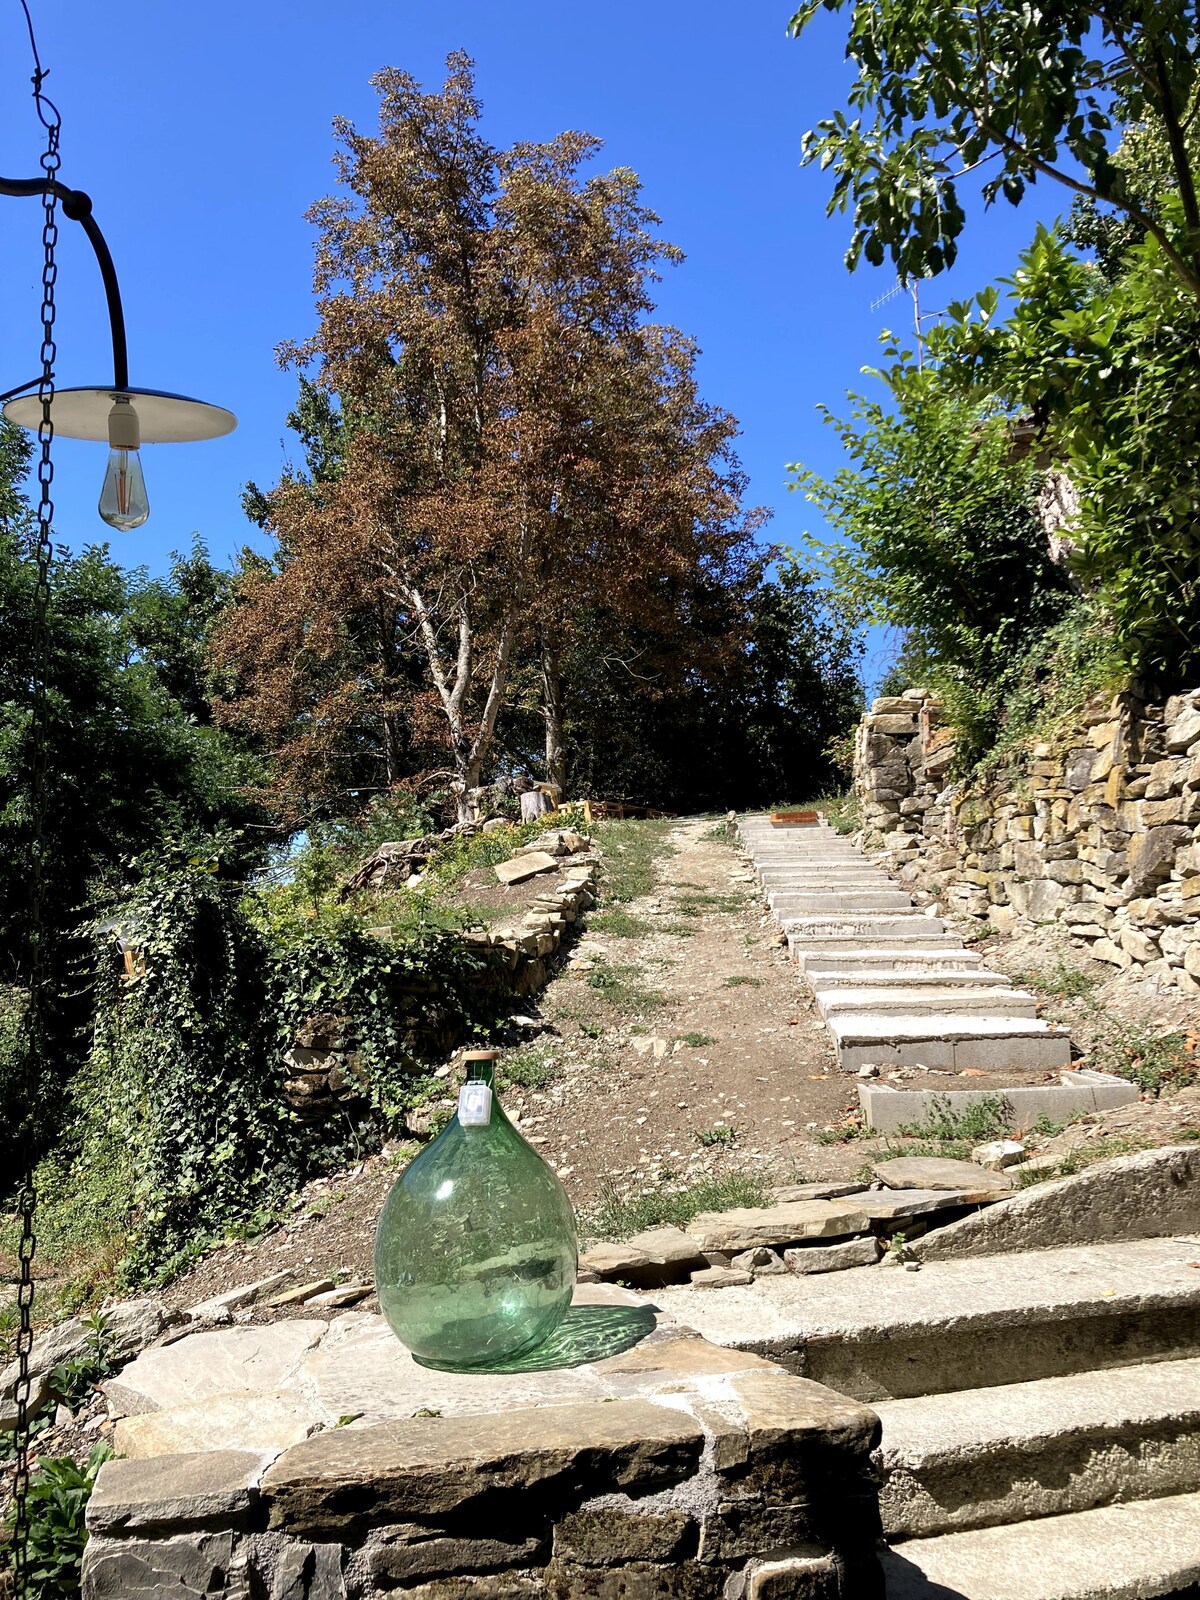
(129, 757)
(944, 89)
(1107, 372)
(941, 536)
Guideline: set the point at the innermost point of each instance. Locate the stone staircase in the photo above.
(1040, 1411)
(894, 985)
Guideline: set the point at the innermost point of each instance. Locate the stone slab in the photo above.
(175, 1491)
(747, 1226)
(901, 1205)
(1058, 1445)
(185, 1568)
(947, 978)
(965, 1178)
(1152, 1194)
(886, 1109)
(963, 1324)
(432, 1466)
(807, 1259)
(1126, 1552)
(217, 1361)
(220, 1305)
(522, 867)
(129, 1326)
(241, 1421)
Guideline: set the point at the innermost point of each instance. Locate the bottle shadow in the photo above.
(586, 1334)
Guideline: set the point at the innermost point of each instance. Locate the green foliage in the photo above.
(695, 1041)
(59, 1490)
(719, 1137)
(530, 1068)
(131, 757)
(1060, 980)
(184, 1078)
(1111, 370)
(976, 1123)
(622, 986)
(620, 1213)
(739, 980)
(632, 850)
(941, 538)
(619, 923)
(1156, 1062)
(1032, 91)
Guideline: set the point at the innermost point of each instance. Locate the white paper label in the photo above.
(475, 1105)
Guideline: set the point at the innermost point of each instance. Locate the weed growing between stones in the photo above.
(529, 1068)
(694, 1041)
(718, 1137)
(974, 1124)
(1154, 1061)
(1062, 981)
(739, 980)
(620, 1214)
(621, 986)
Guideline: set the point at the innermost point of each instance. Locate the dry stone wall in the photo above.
(1098, 829)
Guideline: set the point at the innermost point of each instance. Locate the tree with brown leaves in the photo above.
(505, 449)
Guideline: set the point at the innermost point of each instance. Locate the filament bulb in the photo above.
(123, 502)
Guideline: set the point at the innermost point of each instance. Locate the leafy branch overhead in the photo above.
(1017, 93)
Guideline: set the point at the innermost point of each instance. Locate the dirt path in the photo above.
(686, 1044)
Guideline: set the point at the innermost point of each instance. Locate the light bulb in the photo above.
(123, 502)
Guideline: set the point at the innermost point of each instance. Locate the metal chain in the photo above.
(35, 1032)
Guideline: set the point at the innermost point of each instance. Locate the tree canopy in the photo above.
(1015, 92)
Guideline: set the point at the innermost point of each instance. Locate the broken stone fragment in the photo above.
(721, 1278)
(760, 1262)
(217, 1309)
(999, 1154)
(811, 1258)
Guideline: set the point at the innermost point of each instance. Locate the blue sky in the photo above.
(202, 133)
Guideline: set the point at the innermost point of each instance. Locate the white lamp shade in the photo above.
(163, 418)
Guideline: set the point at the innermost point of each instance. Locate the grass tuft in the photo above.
(619, 1214)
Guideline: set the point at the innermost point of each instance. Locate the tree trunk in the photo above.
(552, 711)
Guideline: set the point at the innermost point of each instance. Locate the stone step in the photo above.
(982, 1457)
(944, 976)
(896, 924)
(883, 1333)
(804, 902)
(932, 998)
(902, 948)
(857, 961)
(952, 1041)
(1121, 1552)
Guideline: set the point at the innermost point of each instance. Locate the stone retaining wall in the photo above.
(1098, 830)
(323, 1077)
(676, 1469)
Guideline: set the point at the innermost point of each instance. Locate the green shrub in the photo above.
(59, 1490)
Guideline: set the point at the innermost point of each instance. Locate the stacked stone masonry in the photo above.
(1098, 829)
(671, 1469)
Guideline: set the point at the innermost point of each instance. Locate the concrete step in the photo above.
(837, 902)
(1122, 1552)
(924, 1000)
(880, 1333)
(868, 927)
(857, 961)
(983, 1457)
(952, 1041)
(943, 976)
(918, 946)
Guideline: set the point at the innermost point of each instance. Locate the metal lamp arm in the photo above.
(78, 206)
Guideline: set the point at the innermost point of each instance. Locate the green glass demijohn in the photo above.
(476, 1251)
